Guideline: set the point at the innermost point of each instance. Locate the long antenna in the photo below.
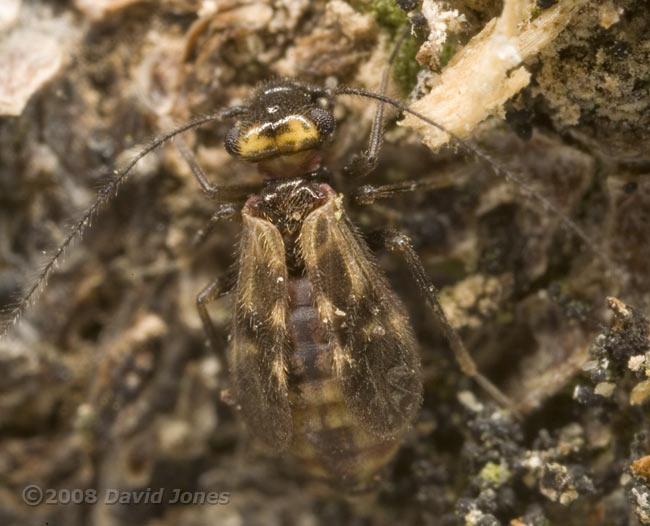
(14, 313)
(496, 167)
(109, 190)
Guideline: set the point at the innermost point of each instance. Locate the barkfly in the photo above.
(323, 360)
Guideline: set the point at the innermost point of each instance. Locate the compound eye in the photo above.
(231, 142)
(324, 121)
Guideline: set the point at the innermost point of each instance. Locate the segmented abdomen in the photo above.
(327, 439)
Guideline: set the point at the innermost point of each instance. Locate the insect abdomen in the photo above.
(327, 438)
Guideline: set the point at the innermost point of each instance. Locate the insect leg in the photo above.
(103, 197)
(497, 169)
(220, 193)
(211, 292)
(365, 163)
(396, 241)
(227, 211)
(215, 288)
(367, 194)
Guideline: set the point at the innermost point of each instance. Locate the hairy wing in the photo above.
(258, 358)
(373, 348)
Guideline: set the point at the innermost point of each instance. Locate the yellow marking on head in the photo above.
(252, 143)
(288, 135)
(301, 133)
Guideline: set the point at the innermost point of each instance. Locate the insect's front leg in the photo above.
(396, 241)
(225, 194)
(365, 163)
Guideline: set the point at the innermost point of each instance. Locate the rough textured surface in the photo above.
(107, 383)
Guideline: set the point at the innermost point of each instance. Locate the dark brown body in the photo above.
(327, 438)
(324, 363)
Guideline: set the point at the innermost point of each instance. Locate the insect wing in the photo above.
(258, 358)
(373, 348)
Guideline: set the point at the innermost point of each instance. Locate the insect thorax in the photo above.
(286, 203)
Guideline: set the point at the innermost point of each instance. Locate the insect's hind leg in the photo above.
(396, 241)
(210, 293)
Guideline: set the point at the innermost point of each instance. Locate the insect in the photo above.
(306, 283)
(323, 360)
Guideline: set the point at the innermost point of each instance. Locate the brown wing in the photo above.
(258, 358)
(373, 349)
